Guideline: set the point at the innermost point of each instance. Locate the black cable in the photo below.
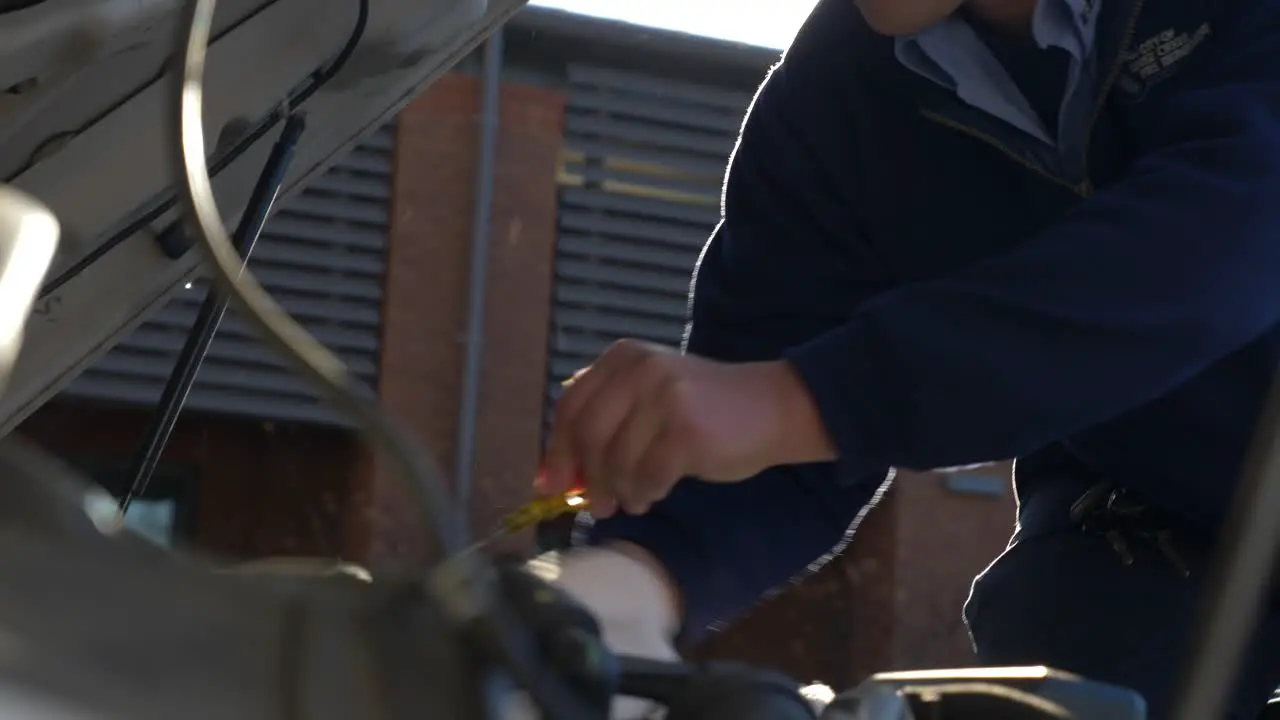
(223, 158)
(184, 372)
(35, 155)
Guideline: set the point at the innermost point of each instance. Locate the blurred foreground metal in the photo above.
(96, 623)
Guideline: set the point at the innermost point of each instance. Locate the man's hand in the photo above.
(643, 416)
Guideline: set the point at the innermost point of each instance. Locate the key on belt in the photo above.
(1113, 513)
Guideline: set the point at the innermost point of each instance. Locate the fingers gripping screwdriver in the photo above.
(542, 509)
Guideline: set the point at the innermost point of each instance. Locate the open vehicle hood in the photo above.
(85, 114)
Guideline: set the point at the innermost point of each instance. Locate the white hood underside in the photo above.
(84, 128)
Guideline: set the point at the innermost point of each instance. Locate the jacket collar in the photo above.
(877, 53)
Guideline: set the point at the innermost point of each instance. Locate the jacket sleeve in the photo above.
(779, 271)
(1142, 287)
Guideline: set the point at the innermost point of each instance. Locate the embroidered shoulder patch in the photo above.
(1157, 57)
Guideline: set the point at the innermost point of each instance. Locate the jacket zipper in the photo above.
(1004, 149)
(1125, 41)
(1085, 187)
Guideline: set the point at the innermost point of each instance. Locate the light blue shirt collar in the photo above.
(952, 55)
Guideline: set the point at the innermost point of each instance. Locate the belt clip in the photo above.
(1097, 504)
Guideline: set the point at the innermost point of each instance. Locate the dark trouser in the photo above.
(1064, 596)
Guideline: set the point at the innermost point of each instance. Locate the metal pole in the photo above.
(481, 228)
(212, 309)
(1240, 579)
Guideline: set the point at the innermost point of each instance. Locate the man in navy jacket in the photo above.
(956, 232)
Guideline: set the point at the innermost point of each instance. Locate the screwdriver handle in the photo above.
(541, 510)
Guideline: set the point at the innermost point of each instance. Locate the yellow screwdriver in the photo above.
(535, 512)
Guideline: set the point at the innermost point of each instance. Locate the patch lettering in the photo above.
(1157, 57)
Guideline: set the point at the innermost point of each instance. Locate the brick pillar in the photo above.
(425, 310)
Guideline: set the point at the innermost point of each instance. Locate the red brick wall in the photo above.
(943, 540)
(836, 626)
(260, 489)
(425, 310)
(892, 600)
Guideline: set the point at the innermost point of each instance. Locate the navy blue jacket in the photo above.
(952, 294)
